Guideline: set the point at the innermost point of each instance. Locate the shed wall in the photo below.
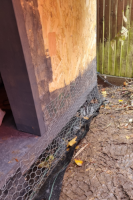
(62, 39)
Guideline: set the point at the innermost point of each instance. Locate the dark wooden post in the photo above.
(17, 70)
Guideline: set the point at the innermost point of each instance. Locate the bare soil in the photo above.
(107, 170)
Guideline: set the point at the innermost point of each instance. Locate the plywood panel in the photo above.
(66, 33)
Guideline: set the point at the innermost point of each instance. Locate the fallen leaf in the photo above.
(127, 137)
(125, 83)
(47, 162)
(77, 147)
(16, 159)
(102, 106)
(120, 101)
(79, 162)
(72, 142)
(86, 118)
(51, 157)
(44, 164)
(104, 93)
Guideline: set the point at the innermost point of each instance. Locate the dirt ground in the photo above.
(107, 170)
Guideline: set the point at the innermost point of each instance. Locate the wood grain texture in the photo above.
(74, 26)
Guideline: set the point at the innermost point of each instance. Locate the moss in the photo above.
(117, 58)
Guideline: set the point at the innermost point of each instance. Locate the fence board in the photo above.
(115, 47)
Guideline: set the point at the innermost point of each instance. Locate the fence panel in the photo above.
(115, 37)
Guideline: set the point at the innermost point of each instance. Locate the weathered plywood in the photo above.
(74, 24)
(62, 44)
(65, 31)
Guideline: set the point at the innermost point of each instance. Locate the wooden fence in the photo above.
(115, 37)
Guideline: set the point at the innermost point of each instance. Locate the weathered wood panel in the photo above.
(114, 45)
(70, 25)
(62, 41)
(13, 70)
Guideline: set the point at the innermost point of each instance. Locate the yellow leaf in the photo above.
(51, 157)
(127, 137)
(79, 162)
(72, 142)
(47, 162)
(77, 147)
(43, 165)
(104, 93)
(120, 101)
(86, 118)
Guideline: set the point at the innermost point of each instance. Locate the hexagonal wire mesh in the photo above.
(24, 186)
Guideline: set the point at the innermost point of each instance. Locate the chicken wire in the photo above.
(25, 186)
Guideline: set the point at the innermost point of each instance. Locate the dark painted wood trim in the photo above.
(30, 68)
(17, 70)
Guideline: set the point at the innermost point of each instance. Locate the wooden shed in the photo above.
(48, 67)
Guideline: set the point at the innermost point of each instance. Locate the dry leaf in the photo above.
(79, 162)
(72, 142)
(44, 164)
(102, 106)
(125, 83)
(16, 159)
(47, 162)
(86, 118)
(127, 137)
(104, 93)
